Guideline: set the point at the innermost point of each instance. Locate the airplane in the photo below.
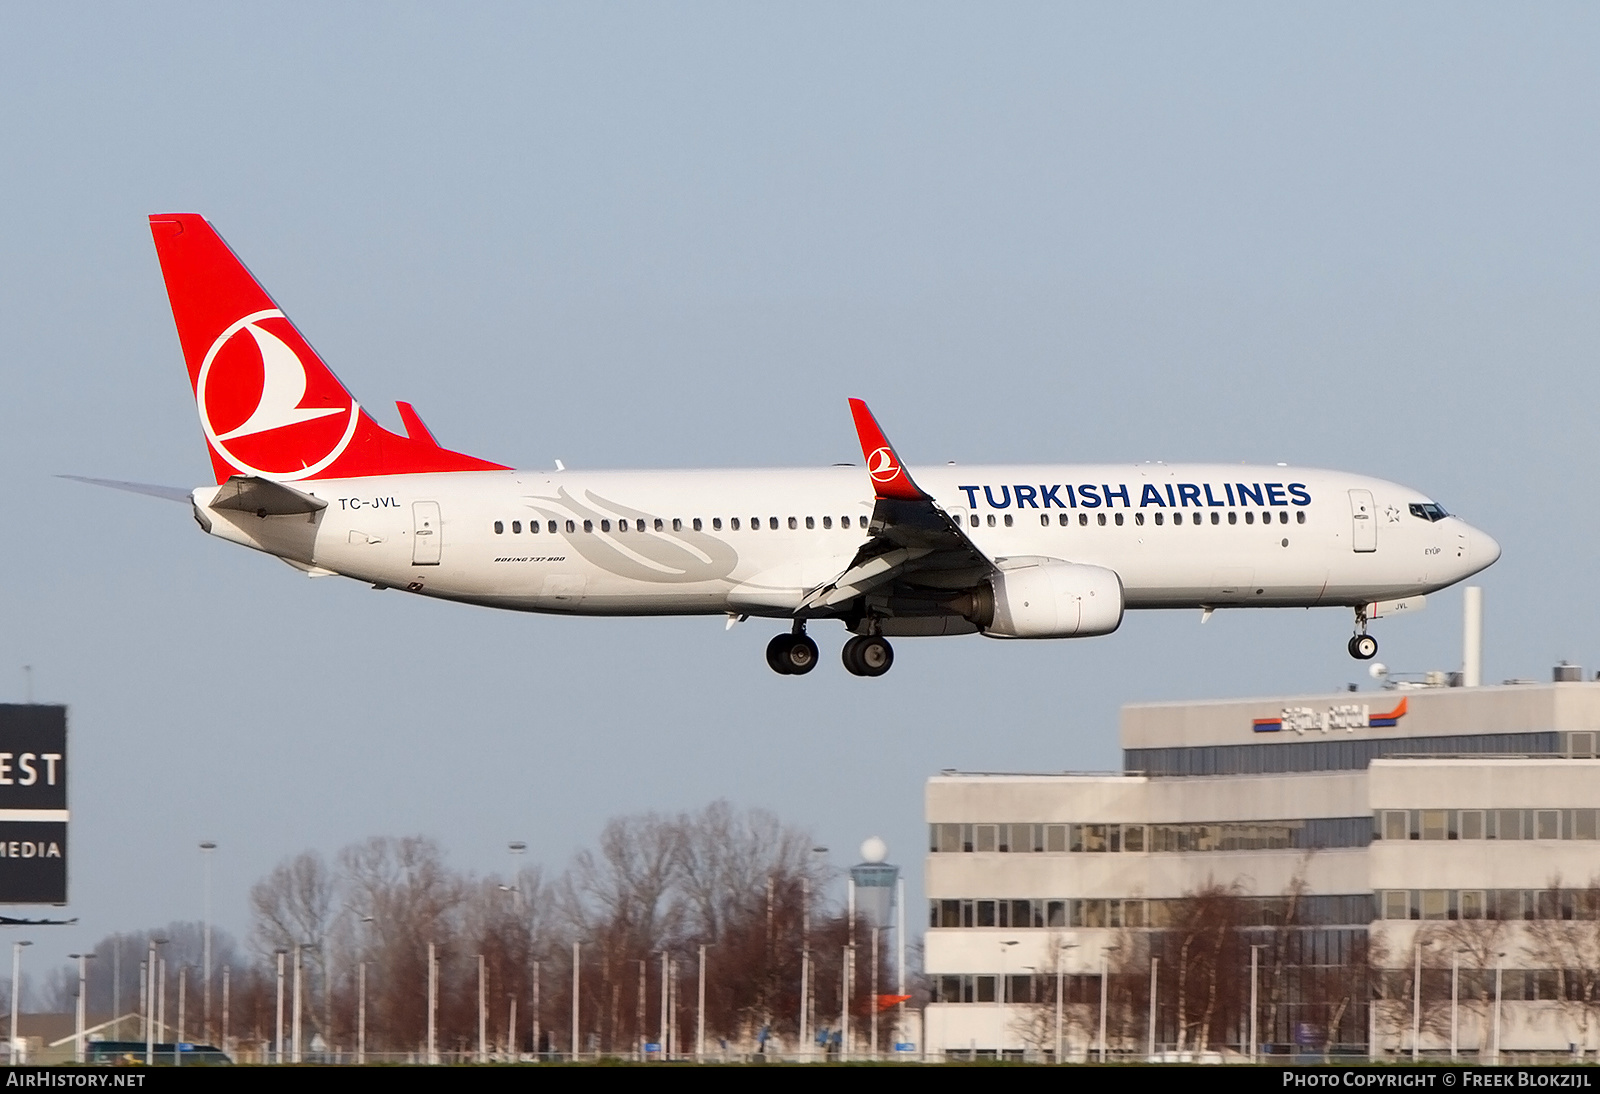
(304, 473)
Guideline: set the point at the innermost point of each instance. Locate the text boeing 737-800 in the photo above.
(304, 473)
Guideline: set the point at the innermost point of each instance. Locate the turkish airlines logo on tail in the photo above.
(250, 390)
(882, 466)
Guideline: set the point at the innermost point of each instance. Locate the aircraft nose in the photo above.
(1482, 550)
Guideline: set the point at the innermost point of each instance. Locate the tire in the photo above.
(874, 655)
(848, 655)
(800, 657)
(1364, 647)
(778, 654)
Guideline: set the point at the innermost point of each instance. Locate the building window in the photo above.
(1396, 904)
(984, 837)
(1434, 824)
(1547, 824)
(1395, 824)
(1472, 824)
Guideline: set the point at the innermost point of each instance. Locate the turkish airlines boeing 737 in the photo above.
(304, 473)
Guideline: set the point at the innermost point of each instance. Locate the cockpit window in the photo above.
(1427, 510)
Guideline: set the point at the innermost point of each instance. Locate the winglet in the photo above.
(889, 478)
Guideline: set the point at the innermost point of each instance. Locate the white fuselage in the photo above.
(1266, 536)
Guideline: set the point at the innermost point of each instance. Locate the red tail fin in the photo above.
(268, 405)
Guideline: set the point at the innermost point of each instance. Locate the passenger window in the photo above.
(1083, 519)
(1100, 519)
(1216, 518)
(772, 522)
(1138, 518)
(844, 522)
(827, 522)
(605, 526)
(811, 522)
(793, 524)
(677, 525)
(638, 525)
(1249, 518)
(716, 524)
(973, 519)
(572, 527)
(1158, 518)
(1266, 518)
(516, 527)
(622, 526)
(755, 523)
(1008, 520)
(1118, 519)
(533, 527)
(734, 524)
(1283, 516)
(991, 520)
(1044, 520)
(1300, 516)
(499, 528)
(659, 526)
(1063, 519)
(1233, 518)
(588, 526)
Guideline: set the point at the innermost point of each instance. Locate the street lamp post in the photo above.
(1498, 967)
(16, 978)
(1455, 1000)
(299, 963)
(1000, 995)
(1061, 980)
(1155, 964)
(79, 1046)
(1104, 970)
(278, 1051)
(433, 1003)
(206, 847)
(1416, 997)
(1255, 1009)
(149, 1003)
(361, 1016)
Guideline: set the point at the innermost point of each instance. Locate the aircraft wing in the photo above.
(913, 539)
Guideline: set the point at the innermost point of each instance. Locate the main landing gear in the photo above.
(1363, 647)
(868, 655)
(792, 654)
(795, 654)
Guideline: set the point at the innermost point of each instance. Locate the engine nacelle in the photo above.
(1047, 598)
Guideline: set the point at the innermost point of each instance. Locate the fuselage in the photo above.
(756, 542)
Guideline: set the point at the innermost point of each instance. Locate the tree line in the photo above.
(635, 912)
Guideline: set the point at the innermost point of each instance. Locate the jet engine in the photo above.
(1038, 597)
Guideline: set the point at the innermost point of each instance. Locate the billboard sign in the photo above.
(33, 804)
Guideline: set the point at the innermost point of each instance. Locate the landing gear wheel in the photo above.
(1363, 647)
(867, 655)
(778, 654)
(801, 656)
(791, 654)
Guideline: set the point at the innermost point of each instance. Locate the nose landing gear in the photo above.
(1363, 647)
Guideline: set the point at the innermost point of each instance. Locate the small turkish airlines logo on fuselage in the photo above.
(250, 392)
(882, 466)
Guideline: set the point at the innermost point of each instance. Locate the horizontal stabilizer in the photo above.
(168, 493)
(263, 497)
